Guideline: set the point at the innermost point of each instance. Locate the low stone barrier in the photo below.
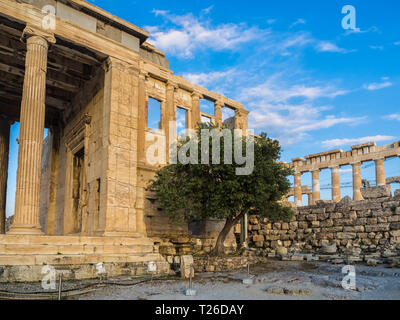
(362, 230)
(218, 264)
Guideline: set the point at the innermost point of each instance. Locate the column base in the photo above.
(357, 196)
(25, 230)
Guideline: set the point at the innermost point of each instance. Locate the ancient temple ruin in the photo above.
(335, 159)
(82, 195)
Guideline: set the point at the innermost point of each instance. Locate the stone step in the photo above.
(24, 249)
(55, 260)
(72, 240)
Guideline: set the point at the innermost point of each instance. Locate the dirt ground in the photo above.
(275, 280)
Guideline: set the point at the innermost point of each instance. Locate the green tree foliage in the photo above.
(188, 192)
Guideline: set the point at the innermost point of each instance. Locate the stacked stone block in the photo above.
(371, 225)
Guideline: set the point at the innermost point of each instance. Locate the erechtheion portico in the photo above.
(334, 160)
(88, 79)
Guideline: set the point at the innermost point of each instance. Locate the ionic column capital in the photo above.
(143, 75)
(37, 34)
(196, 95)
(219, 104)
(241, 112)
(172, 85)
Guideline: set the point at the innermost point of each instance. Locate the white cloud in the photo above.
(207, 79)
(395, 116)
(298, 21)
(190, 33)
(397, 43)
(183, 35)
(207, 10)
(276, 91)
(326, 46)
(378, 85)
(381, 48)
(289, 112)
(359, 31)
(353, 141)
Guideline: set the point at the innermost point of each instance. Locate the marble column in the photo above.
(357, 181)
(196, 117)
(380, 172)
(336, 196)
(218, 113)
(316, 187)
(298, 192)
(4, 146)
(27, 197)
(310, 199)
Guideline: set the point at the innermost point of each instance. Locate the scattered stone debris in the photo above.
(288, 292)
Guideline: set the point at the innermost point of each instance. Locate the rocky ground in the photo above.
(275, 280)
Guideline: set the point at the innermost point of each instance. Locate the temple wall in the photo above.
(45, 182)
(93, 167)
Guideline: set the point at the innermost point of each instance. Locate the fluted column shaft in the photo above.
(4, 146)
(27, 198)
(196, 117)
(357, 181)
(218, 114)
(336, 196)
(316, 187)
(380, 172)
(310, 199)
(298, 193)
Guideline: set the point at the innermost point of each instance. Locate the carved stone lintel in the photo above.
(119, 65)
(31, 31)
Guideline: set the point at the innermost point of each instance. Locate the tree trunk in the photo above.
(219, 248)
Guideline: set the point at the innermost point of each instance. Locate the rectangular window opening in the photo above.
(154, 114)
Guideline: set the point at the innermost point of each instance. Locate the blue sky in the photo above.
(307, 81)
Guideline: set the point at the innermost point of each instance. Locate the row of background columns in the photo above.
(335, 179)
